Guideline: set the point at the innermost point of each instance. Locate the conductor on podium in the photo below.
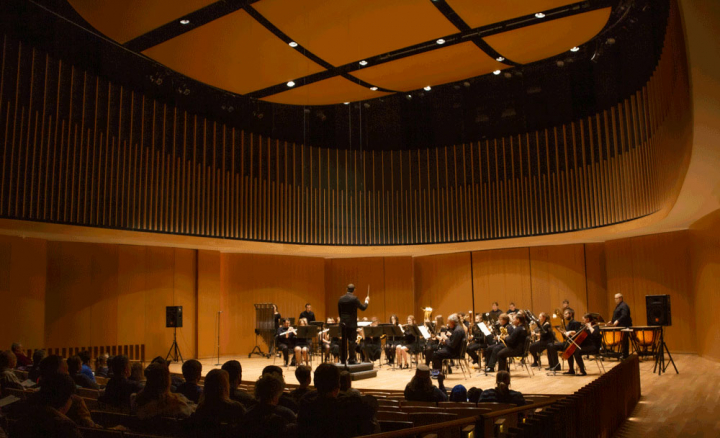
(347, 307)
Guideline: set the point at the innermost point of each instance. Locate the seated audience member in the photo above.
(86, 370)
(346, 385)
(420, 388)
(79, 412)
(323, 414)
(137, 373)
(8, 378)
(502, 392)
(34, 371)
(192, 371)
(215, 405)
(267, 418)
(304, 377)
(46, 415)
(81, 380)
(285, 399)
(22, 360)
(119, 388)
(458, 394)
(175, 380)
(156, 400)
(101, 366)
(474, 394)
(234, 370)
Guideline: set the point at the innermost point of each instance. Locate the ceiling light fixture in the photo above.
(428, 88)
(291, 84)
(293, 44)
(539, 15)
(440, 41)
(500, 59)
(575, 49)
(184, 21)
(373, 88)
(346, 103)
(363, 62)
(497, 72)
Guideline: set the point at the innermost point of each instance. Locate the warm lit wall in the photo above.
(705, 272)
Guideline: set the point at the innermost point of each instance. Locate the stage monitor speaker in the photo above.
(173, 316)
(658, 310)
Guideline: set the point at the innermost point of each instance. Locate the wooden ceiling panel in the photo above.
(547, 39)
(477, 13)
(343, 31)
(235, 53)
(437, 67)
(327, 92)
(123, 20)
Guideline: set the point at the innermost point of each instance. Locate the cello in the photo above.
(576, 340)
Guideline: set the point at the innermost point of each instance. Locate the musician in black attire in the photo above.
(515, 343)
(308, 314)
(277, 322)
(589, 345)
(285, 340)
(495, 313)
(570, 326)
(347, 307)
(372, 349)
(391, 343)
(493, 350)
(546, 337)
(477, 340)
(511, 309)
(621, 318)
(449, 346)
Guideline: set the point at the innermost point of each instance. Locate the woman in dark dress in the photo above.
(391, 343)
(302, 347)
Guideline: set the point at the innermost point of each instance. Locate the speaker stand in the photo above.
(174, 349)
(660, 365)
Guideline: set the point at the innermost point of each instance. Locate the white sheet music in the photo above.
(484, 329)
(424, 331)
(364, 324)
(8, 400)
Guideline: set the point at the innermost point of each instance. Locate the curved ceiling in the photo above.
(244, 46)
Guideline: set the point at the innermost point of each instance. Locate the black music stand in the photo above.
(374, 332)
(317, 344)
(307, 332)
(660, 364)
(334, 332)
(413, 330)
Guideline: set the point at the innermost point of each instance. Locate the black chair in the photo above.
(461, 360)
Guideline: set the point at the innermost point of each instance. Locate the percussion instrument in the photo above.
(645, 339)
(612, 341)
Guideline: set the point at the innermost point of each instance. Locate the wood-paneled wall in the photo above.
(705, 272)
(79, 149)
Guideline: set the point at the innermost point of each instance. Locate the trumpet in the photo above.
(503, 334)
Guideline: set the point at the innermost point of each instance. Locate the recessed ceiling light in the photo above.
(293, 44)
(440, 41)
(184, 21)
(373, 88)
(497, 72)
(500, 59)
(346, 103)
(539, 15)
(575, 49)
(428, 88)
(363, 62)
(291, 84)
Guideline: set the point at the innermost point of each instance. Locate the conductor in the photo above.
(347, 307)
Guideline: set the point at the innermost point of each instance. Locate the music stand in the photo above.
(316, 342)
(374, 332)
(413, 330)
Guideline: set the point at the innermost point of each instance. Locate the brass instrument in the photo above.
(427, 313)
(361, 335)
(503, 335)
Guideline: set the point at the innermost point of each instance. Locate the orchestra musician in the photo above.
(347, 307)
(302, 347)
(511, 310)
(307, 314)
(410, 345)
(514, 343)
(331, 346)
(277, 322)
(432, 345)
(477, 341)
(391, 344)
(621, 318)
(570, 326)
(495, 313)
(504, 322)
(566, 305)
(450, 346)
(285, 339)
(590, 345)
(545, 336)
(372, 349)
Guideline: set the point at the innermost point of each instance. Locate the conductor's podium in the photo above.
(359, 371)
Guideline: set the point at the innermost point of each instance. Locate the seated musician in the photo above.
(450, 346)
(410, 345)
(511, 309)
(552, 348)
(590, 345)
(495, 313)
(372, 348)
(545, 336)
(477, 340)
(515, 343)
(285, 339)
(392, 343)
(331, 345)
(503, 322)
(302, 346)
(432, 345)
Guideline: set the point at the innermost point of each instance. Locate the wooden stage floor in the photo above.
(671, 405)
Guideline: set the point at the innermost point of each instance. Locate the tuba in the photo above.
(427, 313)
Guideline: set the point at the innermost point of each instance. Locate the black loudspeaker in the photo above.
(658, 310)
(173, 316)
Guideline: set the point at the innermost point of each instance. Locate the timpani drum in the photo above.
(612, 341)
(645, 339)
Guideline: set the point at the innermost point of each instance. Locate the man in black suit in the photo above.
(307, 314)
(347, 308)
(621, 318)
(449, 346)
(571, 326)
(515, 343)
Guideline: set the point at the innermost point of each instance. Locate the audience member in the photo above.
(474, 394)
(22, 360)
(346, 385)
(192, 371)
(303, 376)
(215, 405)
(119, 388)
(34, 371)
(458, 394)
(79, 412)
(502, 392)
(234, 370)
(86, 370)
(46, 415)
(8, 378)
(285, 399)
(156, 400)
(267, 417)
(137, 373)
(74, 364)
(421, 388)
(101, 366)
